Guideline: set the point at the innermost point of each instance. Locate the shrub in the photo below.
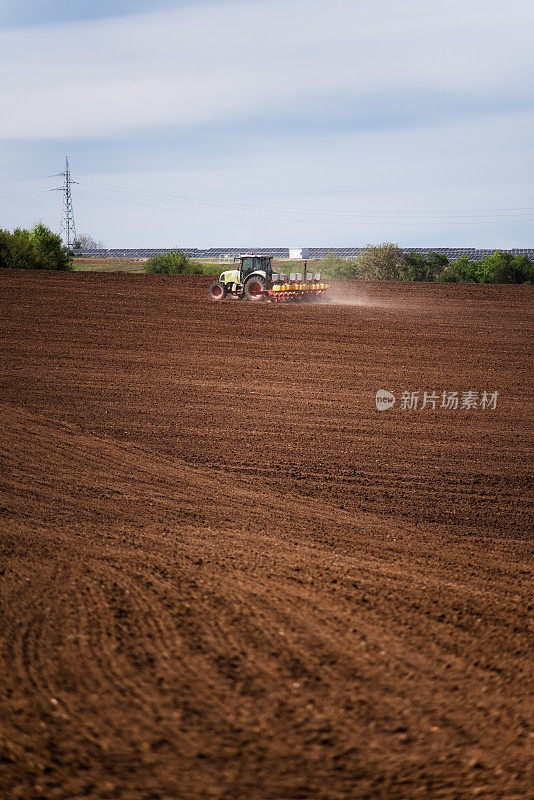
(417, 267)
(173, 263)
(48, 249)
(381, 261)
(502, 267)
(460, 271)
(385, 262)
(525, 269)
(35, 249)
(15, 249)
(414, 267)
(333, 266)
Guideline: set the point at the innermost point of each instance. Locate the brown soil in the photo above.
(225, 575)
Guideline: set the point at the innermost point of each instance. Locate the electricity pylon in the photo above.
(68, 226)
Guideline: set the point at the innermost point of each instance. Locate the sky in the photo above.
(271, 122)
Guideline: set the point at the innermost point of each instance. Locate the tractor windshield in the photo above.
(253, 264)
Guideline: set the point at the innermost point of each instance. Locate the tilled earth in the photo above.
(225, 575)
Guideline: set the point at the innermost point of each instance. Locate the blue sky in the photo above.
(271, 122)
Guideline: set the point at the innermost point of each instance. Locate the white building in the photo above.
(299, 252)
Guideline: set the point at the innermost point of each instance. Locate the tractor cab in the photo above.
(251, 264)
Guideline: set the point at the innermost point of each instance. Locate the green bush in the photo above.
(502, 267)
(15, 249)
(173, 263)
(385, 262)
(332, 266)
(460, 271)
(417, 267)
(35, 249)
(388, 262)
(380, 261)
(499, 267)
(48, 249)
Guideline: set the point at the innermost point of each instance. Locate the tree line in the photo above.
(40, 248)
(389, 262)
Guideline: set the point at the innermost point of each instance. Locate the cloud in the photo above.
(356, 179)
(44, 12)
(198, 66)
(370, 106)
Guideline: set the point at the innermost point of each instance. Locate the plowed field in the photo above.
(225, 575)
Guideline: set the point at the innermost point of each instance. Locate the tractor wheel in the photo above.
(254, 288)
(217, 291)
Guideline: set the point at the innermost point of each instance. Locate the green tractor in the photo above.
(255, 280)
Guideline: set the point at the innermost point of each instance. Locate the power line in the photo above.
(19, 192)
(251, 212)
(278, 209)
(23, 180)
(366, 222)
